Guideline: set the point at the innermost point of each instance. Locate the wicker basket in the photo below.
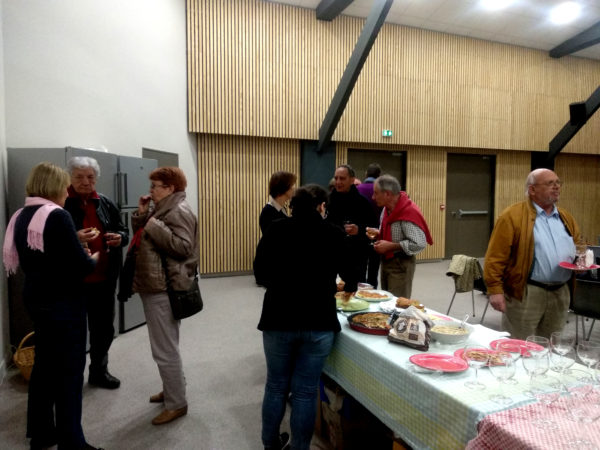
(24, 356)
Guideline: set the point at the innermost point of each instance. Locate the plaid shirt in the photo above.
(410, 237)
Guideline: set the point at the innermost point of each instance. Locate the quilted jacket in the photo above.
(170, 230)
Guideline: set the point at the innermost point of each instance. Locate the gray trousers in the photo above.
(163, 332)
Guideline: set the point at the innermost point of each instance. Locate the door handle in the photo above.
(461, 213)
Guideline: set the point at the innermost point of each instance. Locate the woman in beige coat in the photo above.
(169, 230)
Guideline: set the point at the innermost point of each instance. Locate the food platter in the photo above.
(357, 323)
(524, 346)
(459, 354)
(436, 361)
(389, 306)
(571, 266)
(373, 295)
(354, 304)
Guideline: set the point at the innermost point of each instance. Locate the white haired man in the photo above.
(521, 270)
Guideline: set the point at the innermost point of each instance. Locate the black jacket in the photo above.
(353, 207)
(297, 260)
(110, 217)
(54, 277)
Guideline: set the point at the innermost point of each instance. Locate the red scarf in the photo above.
(405, 209)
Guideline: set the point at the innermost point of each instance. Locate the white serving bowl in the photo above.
(445, 338)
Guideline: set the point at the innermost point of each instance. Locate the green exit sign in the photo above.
(386, 133)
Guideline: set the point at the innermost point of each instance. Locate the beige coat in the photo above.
(172, 231)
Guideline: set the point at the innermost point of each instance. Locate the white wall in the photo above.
(4, 340)
(95, 73)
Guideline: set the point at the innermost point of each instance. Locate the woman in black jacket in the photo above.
(41, 238)
(297, 260)
(281, 189)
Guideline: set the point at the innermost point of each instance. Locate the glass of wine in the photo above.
(372, 234)
(502, 367)
(476, 357)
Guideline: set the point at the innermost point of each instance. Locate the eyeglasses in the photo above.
(154, 186)
(550, 183)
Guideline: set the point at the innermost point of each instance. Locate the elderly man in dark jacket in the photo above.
(349, 210)
(99, 228)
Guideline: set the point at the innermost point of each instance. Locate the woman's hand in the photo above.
(144, 204)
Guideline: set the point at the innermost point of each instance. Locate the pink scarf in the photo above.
(35, 232)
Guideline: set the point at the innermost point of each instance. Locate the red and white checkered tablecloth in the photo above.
(514, 429)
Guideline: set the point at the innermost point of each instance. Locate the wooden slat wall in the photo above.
(579, 194)
(233, 187)
(258, 68)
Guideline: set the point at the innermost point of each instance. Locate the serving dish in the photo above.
(353, 321)
(436, 361)
(448, 337)
(373, 295)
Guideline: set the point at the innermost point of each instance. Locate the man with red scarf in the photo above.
(402, 234)
(99, 228)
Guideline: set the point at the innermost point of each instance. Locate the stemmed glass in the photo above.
(535, 366)
(589, 353)
(372, 234)
(537, 346)
(547, 393)
(502, 367)
(476, 357)
(562, 363)
(562, 343)
(515, 353)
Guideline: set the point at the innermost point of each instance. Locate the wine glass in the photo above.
(372, 234)
(562, 343)
(537, 346)
(562, 363)
(476, 357)
(589, 353)
(514, 351)
(502, 367)
(535, 367)
(548, 391)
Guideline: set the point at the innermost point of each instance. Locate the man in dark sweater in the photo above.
(353, 213)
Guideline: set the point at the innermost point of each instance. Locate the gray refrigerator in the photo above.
(122, 178)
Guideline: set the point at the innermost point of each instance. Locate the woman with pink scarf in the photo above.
(41, 239)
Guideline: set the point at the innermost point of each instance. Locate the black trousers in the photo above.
(56, 380)
(100, 304)
(374, 261)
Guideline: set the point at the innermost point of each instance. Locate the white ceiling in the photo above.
(524, 23)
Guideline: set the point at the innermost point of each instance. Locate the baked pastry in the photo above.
(403, 302)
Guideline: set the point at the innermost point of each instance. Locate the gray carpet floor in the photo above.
(224, 367)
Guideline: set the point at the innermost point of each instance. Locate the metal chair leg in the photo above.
(485, 310)
(591, 328)
(473, 302)
(448, 312)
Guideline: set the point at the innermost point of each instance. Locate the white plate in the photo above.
(387, 295)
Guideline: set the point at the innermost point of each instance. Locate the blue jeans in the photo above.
(295, 360)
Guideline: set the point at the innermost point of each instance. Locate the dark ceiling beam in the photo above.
(330, 9)
(359, 55)
(580, 113)
(585, 39)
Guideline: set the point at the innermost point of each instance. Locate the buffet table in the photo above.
(425, 409)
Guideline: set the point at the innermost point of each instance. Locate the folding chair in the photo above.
(468, 276)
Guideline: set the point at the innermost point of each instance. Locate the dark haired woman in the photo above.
(281, 189)
(169, 230)
(299, 317)
(41, 238)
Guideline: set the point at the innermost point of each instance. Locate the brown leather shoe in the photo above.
(157, 398)
(169, 415)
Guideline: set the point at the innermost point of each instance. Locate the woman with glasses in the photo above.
(166, 234)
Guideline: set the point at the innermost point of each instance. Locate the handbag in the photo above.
(126, 277)
(183, 303)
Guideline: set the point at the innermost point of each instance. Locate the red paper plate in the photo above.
(435, 361)
(570, 266)
(524, 346)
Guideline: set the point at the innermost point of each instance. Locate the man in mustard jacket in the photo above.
(521, 271)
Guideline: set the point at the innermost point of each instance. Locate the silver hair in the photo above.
(531, 179)
(83, 162)
(388, 183)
